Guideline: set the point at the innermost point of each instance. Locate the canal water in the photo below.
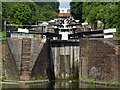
(57, 85)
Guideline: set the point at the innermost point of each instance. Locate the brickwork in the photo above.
(101, 59)
(25, 63)
(11, 68)
(41, 64)
(26, 58)
(16, 46)
(92, 58)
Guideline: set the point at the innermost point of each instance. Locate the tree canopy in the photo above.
(101, 11)
(93, 11)
(76, 10)
(107, 12)
(29, 12)
(46, 10)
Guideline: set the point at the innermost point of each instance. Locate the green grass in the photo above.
(3, 35)
(113, 82)
(91, 80)
(39, 78)
(12, 78)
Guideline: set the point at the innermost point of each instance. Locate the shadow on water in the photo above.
(57, 85)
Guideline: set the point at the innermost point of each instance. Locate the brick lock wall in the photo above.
(11, 64)
(41, 64)
(26, 60)
(95, 58)
(99, 60)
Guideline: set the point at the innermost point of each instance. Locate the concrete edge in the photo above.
(23, 82)
(100, 83)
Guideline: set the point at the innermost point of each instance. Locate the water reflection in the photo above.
(53, 85)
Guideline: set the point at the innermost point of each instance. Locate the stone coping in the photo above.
(100, 83)
(23, 82)
(12, 82)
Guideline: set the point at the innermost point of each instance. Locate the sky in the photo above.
(64, 3)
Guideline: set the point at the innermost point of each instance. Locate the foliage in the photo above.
(18, 13)
(3, 35)
(11, 79)
(107, 12)
(21, 14)
(45, 13)
(39, 78)
(55, 5)
(118, 28)
(76, 10)
(28, 12)
(104, 12)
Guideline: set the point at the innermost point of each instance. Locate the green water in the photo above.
(56, 84)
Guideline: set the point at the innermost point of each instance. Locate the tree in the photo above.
(55, 5)
(22, 14)
(45, 13)
(28, 12)
(76, 10)
(118, 25)
(6, 10)
(93, 11)
(18, 13)
(90, 11)
(107, 12)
